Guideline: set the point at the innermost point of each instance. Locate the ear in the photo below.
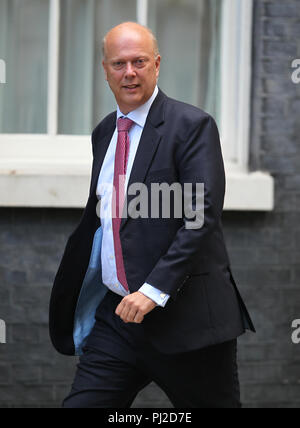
(105, 69)
(157, 65)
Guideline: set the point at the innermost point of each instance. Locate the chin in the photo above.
(134, 100)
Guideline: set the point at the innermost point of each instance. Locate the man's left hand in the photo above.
(134, 307)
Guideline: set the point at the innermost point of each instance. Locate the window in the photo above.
(84, 97)
(23, 45)
(77, 27)
(56, 92)
(188, 32)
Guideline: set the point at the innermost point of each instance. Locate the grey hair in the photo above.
(150, 32)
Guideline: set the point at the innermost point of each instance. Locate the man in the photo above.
(146, 299)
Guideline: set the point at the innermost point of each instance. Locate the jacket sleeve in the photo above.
(199, 160)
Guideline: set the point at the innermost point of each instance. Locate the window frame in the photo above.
(56, 159)
(236, 82)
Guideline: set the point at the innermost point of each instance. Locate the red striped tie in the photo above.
(121, 158)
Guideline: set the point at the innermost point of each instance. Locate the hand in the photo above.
(134, 307)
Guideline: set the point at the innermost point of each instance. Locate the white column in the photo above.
(142, 12)
(3, 49)
(53, 66)
(236, 43)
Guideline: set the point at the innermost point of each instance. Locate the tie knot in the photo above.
(124, 124)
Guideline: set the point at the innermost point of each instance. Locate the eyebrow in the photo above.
(134, 59)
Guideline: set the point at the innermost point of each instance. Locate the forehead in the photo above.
(128, 44)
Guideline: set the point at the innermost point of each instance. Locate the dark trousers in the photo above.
(118, 362)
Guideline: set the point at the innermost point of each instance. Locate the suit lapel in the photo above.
(101, 149)
(147, 148)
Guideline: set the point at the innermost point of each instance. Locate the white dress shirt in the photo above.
(104, 192)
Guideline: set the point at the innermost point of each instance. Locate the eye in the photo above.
(118, 64)
(140, 62)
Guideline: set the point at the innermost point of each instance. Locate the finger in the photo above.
(119, 308)
(138, 318)
(124, 314)
(131, 314)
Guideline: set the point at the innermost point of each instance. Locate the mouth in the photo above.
(130, 88)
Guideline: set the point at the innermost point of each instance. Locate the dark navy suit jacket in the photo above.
(180, 143)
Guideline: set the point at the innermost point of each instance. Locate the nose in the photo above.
(130, 71)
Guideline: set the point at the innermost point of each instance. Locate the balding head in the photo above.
(131, 63)
(130, 28)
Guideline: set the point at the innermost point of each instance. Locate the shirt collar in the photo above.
(139, 116)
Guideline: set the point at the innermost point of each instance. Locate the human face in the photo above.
(131, 67)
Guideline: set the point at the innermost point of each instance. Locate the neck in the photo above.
(128, 109)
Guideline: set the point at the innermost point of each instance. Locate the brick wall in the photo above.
(264, 249)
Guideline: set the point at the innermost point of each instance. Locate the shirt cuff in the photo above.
(158, 296)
